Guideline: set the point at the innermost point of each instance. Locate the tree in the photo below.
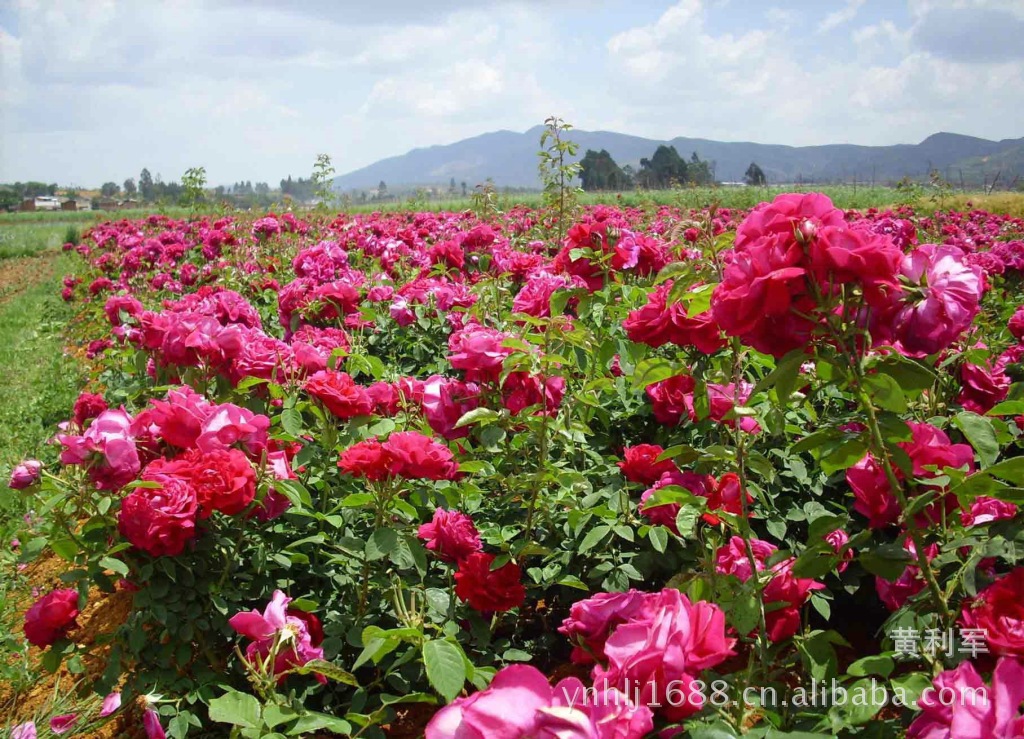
(382, 190)
(598, 171)
(146, 185)
(664, 169)
(754, 175)
(129, 188)
(465, 188)
(109, 189)
(451, 186)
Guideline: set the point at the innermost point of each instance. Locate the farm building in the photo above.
(41, 202)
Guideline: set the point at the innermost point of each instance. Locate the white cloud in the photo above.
(840, 17)
(95, 90)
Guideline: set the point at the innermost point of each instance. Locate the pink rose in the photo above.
(942, 301)
(25, 474)
(521, 704)
(263, 628)
(959, 704)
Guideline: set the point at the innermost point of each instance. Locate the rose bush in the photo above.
(345, 465)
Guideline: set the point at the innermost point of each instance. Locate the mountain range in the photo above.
(510, 159)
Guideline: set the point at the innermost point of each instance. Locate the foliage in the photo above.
(436, 437)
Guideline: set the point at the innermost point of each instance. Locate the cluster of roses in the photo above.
(642, 464)
(674, 399)
(793, 256)
(930, 452)
(643, 643)
(212, 450)
(452, 536)
(218, 330)
(647, 649)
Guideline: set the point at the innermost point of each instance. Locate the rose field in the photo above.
(614, 473)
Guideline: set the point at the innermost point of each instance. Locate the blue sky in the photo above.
(95, 90)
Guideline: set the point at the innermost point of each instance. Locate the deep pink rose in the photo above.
(668, 398)
(592, 619)
(521, 704)
(50, 617)
(959, 705)
(451, 535)
(263, 628)
(478, 351)
(670, 639)
(160, 521)
(999, 611)
(340, 394)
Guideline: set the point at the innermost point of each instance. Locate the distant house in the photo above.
(106, 203)
(76, 204)
(130, 203)
(41, 202)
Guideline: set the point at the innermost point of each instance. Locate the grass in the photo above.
(40, 384)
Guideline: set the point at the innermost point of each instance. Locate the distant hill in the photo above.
(510, 159)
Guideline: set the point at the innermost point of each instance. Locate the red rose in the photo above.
(658, 323)
(50, 617)
(87, 407)
(999, 612)
(223, 479)
(340, 394)
(640, 464)
(451, 535)
(668, 398)
(160, 521)
(365, 459)
(840, 254)
(414, 456)
(488, 590)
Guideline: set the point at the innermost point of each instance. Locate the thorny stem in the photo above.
(744, 526)
(882, 453)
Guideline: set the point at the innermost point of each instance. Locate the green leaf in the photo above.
(593, 537)
(784, 376)
(315, 721)
(1011, 470)
(329, 670)
(1008, 408)
(653, 370)
(356, 500)
(291, 422)
(381, 543)
(887, 561)
(658, 536)
(115, 565)
(446, 667)
(886, 393)
(981, 434)
(64, 548)
(237, 709)
(876, 664)
(477, 415)
(295, 492)
(845, 455)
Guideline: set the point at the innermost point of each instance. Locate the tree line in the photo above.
(663, 170)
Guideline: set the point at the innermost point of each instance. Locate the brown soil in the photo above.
(18, 273)
(103, 613)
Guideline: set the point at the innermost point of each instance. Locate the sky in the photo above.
(94, 91)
